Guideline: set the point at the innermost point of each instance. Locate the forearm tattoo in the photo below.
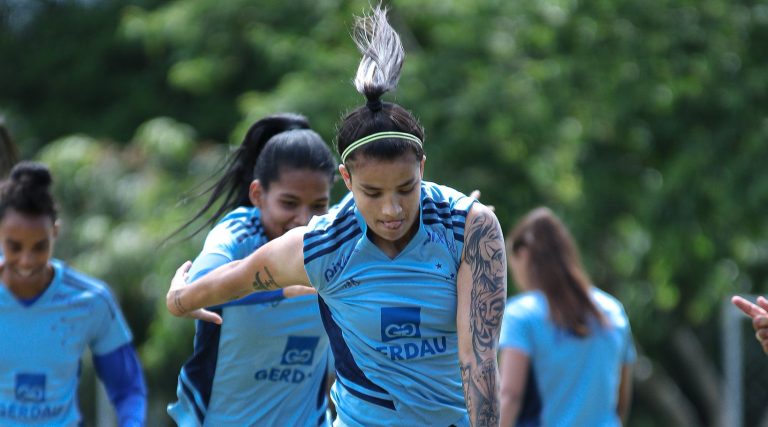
(177, 302)
(480, 393)
(484, 253)
(264, 283)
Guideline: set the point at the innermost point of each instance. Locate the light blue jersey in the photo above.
(267, 363)
(42, 344)
(577, 378)
(392, 322)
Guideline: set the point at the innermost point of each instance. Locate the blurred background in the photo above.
(643, 124)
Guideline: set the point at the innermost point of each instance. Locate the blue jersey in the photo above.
(42, 344)
(392, 322)
(577, 378)
(267, 363)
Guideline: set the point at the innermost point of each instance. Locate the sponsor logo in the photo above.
(415, 350)
(400, 322)
(299, 350)
(35, 412)
(30, 387)
(336, 267)
(287, 375)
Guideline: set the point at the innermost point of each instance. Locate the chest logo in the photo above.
(400, 322)
(299, 350)
(30, 387)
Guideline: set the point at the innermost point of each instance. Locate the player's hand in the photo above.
(759, 314)
(750, 309)
(760, 323)
(298, 291)
(174, 298)
(476, 195)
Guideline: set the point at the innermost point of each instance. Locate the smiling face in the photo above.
(27, 243)
(291, 200)
(387, 194)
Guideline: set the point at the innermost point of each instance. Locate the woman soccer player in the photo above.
(411, 275)
(50, 314)
(267, 364)
(575, 337)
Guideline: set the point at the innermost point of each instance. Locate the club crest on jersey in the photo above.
(299, 350)
(400, 322)
(30, 387)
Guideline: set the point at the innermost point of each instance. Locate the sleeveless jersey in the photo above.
(267, 363)
(42, 344)
(392, 322)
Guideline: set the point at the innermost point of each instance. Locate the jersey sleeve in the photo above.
(225, 242)
(446, 206)
(329, 242)
(515, 327)
(630, 353)
(121, 373)
(111, 329)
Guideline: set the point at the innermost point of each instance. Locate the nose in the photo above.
(303, 216)
(26, 260)
(392, 207)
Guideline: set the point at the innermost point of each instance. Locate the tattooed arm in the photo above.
(275, 265)
(482, 290)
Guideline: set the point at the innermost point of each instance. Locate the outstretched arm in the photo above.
(759, 314)
(481, 288)
(275, 265)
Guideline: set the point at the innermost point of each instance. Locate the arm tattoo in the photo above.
(480, 391)
(264, 284)
(484, 253)
(177, 302)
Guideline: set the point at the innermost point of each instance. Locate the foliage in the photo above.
(640, 123)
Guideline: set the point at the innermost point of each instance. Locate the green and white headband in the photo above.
(375, 137)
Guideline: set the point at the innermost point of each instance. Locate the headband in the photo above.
(375, 137)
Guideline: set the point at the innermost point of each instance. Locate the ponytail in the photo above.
(383, 56)
(377, 74)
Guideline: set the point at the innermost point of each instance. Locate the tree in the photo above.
(639, 123)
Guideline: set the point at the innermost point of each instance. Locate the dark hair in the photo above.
(9, 155)
(27, 191)
(271, 145)
(378, 73)
(554, 267)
